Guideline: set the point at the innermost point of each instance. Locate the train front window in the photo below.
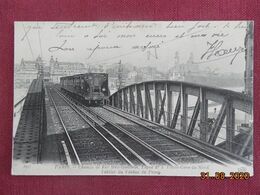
(96, 89)
(96, 81)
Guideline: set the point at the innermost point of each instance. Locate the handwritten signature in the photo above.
(215, 49)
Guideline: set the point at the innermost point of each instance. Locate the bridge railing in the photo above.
(206, 113)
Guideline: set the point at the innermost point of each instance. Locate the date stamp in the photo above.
(222, 176)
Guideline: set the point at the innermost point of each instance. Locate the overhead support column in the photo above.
(218, 124)
(140, 106)
(194, 118)
(149, 103)
(230, 125)
(176, 112)
(125, 100)
(136, 106)
(203, 115)
(246, 143)
(156, 102)
(161, 110)
(169, 105)
(116, 100)
(120, 100)
(184, 109)
(131, 100)
(146, 101)
(113, 100)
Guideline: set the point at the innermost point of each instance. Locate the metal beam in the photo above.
(120, 100)
(230, 126)
(218, 124)
(203, 115)
(117, 99)
(194, 117)
(113, 100)
(245, 144)
(241, 101)
(137, 110)
(184, 109)
(161, 112)
(176, 112)
(131, 100)
(161, 100)
(156, 102)
(125, 100)
(169, 105)
(146, 102)
(244, 106)
(149, 103)
(140, 106)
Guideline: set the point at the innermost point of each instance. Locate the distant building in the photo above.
(27, 71)
(59, 69)
(131, 76)
(181, 70)
(191, 72)
(149, 73)
(123, 74)
(112, 83)
(46, 73)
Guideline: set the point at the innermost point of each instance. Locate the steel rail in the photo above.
(226, 153)
(165, 158)
(137, 139)
(169, 137)
(113, 146)
(65, 129)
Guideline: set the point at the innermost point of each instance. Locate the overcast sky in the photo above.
(215, 45)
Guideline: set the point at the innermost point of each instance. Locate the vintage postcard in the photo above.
(151, 98)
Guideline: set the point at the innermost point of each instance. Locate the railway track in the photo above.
(141, 152)
(174, 151)
(209, 151)
(138, 154)
(86, 145)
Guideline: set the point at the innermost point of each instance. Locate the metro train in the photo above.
(89, 88)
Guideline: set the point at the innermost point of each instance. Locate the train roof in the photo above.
(79, 75)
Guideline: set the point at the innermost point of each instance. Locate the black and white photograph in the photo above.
(148, 98)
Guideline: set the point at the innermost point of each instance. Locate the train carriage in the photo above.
(90, 88)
